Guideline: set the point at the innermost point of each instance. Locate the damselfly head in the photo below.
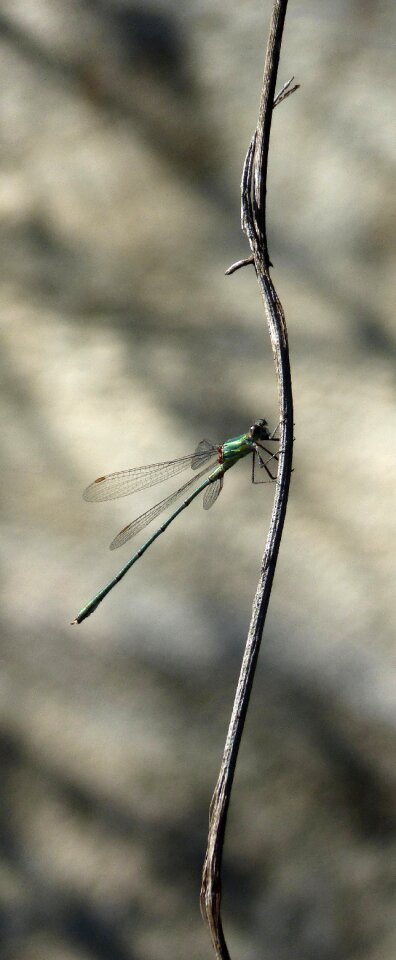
(259, 430)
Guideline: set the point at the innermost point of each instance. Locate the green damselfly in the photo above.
(222, 457)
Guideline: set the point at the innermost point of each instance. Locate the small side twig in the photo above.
(238, 265)
(253, 190)
(286, 90)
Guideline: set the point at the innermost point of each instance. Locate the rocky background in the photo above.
(123, 131)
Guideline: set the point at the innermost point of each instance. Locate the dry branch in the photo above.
(254, 187)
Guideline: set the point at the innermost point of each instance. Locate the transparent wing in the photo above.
(145, 518)
(121, 484)
(205, 450)
(212, 492)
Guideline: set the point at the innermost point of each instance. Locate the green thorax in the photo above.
(236, 448)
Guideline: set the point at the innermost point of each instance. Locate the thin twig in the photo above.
(286, 91)
(239, 263)
(253, 190)
(263, 128)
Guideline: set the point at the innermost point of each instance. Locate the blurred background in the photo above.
(123, 131)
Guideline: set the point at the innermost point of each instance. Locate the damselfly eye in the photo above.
(259, 430)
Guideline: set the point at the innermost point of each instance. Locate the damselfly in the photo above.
(222, 458)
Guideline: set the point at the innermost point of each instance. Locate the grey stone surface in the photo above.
(123, 130)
